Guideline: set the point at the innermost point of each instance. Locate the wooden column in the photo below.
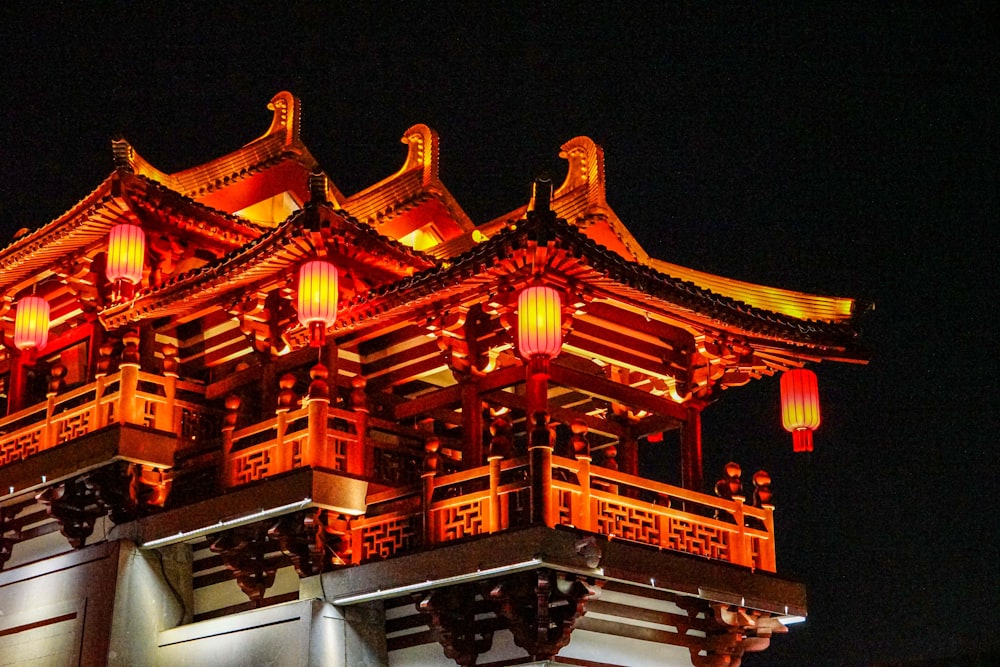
(432, 461)
(472, 422)
(691, 464)
(285, 401)
(318, 404)
(170, 421)
(228, 427)
(361, 460)
(540, 453)
(536, 387)
(128, 404)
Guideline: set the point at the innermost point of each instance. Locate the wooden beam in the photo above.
(561, 415)
(431, 401)
(620, 393)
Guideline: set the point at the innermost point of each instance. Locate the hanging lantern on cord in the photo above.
(800, 407)
(126, 254)
(539, 322)
(31, 323)
(317, 299)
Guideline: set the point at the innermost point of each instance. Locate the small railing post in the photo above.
(318, 401)
(286, 399)
(50, 436)
(432, 460)
(739, 546)
(763, 498)
(103, 366)
(540, 452)
(730, 487)
(171, 419)
(581, 451)
(129, 383)
(228, 427)
(501, 447)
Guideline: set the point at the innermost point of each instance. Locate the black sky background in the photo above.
(841, 149)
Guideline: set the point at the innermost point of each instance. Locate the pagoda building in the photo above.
(250, 420)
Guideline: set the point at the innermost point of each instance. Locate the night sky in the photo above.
(843, 150)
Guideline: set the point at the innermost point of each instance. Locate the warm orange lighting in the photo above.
(317, 298)
(31, 324)
(126, 253)
(539, 322)
(800, 406)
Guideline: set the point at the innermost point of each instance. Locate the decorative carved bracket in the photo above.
(733, 632)
(453, 617)
(10, 532)
(124, 491)
(540, 608)
(244, 552)
(310, 539)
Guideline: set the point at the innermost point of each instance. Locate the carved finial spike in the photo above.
(317, 187)
(123, 154)
(541, 194)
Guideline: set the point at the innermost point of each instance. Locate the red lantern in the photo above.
(126, 253)
(800, 407)
(539, 322)
(317, 298)
(31, 323)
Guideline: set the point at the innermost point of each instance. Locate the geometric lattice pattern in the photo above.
(696, 538)
(20, 447)
(627, 522)
(458, 521)
(624, 520)
(252, 466)
(387, 538)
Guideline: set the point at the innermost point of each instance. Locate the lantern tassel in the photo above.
(802, 440)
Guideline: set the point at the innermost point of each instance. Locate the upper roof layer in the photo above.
(204, 198)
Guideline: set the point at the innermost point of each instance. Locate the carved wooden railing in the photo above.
(286, 441)
(598, 500)
(129, 396)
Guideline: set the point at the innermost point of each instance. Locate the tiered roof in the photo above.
(585, 241)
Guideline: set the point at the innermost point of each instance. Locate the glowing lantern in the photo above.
(800, 407)
(31, 323)
(317, 298)
(126, 253)
(539, 322)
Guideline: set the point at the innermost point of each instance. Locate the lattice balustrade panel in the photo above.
(386, 539)
(74, 427)
(338, 452)
(696, 538)
(628, 522)
(564, 502)
(296, 446)
(252, 466)
(20, 447)
(461, 521)
(149, 414)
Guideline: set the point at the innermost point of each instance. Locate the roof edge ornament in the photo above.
(318, 187)
(287, 117)
(586, 170)
(423, 152)
(541, 195)
(123, 154)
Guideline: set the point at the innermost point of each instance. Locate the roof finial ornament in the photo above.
(123, 154)
(317, 187)
(541, 194)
